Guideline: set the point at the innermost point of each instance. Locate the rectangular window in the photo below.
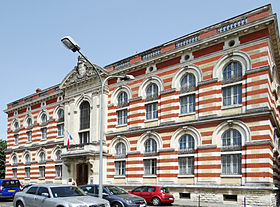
(58, 171)
(27, 172)
(84, 137)
(151, 111)
(187, 104)
(232, 95)
(231, 164)
(150, 167)
(16, 139)
(120, 167)
(122, 117)
(29, 136)
(60, 130)
(186, 165)
(42, 171)
(44, 133)
(14, 172)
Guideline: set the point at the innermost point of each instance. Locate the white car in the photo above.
(56, 196)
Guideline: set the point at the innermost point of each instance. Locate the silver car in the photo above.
(56, 196)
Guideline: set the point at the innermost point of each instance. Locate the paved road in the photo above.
(6, 203)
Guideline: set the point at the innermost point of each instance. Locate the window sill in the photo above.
(187, 114)
(121, 125)
(43, 178)
(185, 176)
(149, 176)
(119, 176)
(151, 120)
(231, 176)
(26, 178)
(231, 106)
(58, 178)
(60, 136)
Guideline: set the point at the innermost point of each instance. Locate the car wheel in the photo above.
(19, 204)
(116, 205)
(156, 201)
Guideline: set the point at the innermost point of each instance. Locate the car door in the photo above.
(41, 198)
(29, 196)
(140, 191)
(148, 193)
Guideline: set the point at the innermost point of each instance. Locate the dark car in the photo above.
(8, 187)
(154, 194)
(117, 197)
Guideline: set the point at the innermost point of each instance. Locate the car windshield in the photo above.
(115, 190)
(66, 191)
(164, 190)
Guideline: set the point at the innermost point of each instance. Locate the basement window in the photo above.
(230, 197)
(185, 195)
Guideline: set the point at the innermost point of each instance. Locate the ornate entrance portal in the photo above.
(82, 174)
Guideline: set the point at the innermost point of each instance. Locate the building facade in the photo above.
(201, 117)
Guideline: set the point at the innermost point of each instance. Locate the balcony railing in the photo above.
(232, 25)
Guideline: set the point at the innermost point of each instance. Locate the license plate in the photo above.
(170, 198)
(142, 205)
(11, 190)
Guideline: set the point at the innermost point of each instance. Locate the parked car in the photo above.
(56, 196)
(117, 197)
(8, 187)
(154, 194)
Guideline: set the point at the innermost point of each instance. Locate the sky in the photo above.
(32, 56)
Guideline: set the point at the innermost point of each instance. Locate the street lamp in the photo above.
(70, 44)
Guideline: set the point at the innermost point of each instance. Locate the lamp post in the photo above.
(70, 44)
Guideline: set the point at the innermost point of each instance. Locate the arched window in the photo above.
(120, 149)
(231, 137)
(84, 115)
(152, 92)
(60, 115)
(188, 83)
(29, 122)
(150, 145)
(232, 71)
(16, 126)
(186, 142)
(122, 112)
(58, 155)
(60, 125)
(14, 159)
(42, 157)
(232, 94)
(27, 158)
(44, 118)
(122, 99)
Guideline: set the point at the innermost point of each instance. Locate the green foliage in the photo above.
(3, 147)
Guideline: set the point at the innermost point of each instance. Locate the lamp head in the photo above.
(127, 77)
(70, 43)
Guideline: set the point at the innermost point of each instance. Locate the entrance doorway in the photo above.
(82, 174)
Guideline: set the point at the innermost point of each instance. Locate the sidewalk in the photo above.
(188, 203)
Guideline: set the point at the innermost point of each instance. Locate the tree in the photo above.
(3, 147)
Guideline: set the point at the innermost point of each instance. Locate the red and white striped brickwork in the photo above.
(49, 146)
(260, 163)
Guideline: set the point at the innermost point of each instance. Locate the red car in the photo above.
(154, 194)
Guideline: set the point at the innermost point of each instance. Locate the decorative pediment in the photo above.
(81, 73)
